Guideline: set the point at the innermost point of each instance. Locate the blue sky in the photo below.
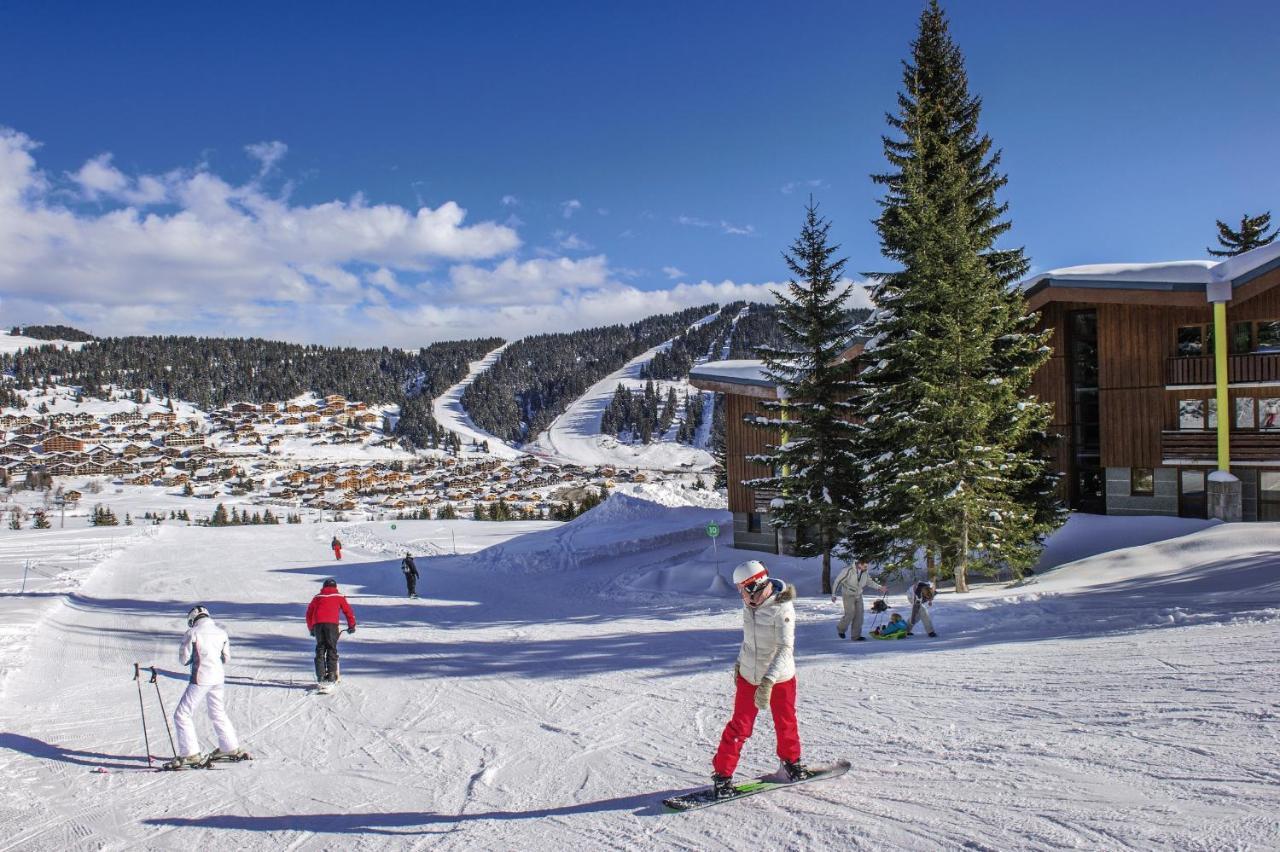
(300, 170)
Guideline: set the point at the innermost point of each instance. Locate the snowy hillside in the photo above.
(449, 413)
(576, 436)
(18, 342)
(549, 690)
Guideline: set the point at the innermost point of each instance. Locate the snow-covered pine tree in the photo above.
(815, 472)
(950, 441)
(1252, 234)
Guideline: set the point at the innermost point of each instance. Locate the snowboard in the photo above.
(705, 797)
(326, 687)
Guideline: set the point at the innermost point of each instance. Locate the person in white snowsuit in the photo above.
(206, 649)
(849, 585)
(764, 676)
(920, 596)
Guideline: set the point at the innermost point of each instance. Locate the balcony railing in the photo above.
(1198, 370)
(1202, 445)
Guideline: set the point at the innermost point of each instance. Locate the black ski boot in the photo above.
(722, 785)
(796, 771)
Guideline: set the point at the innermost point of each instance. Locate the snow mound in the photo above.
(674, 494)
(621, 528)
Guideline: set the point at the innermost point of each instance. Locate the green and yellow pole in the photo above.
(1220, 384)
(786, 434)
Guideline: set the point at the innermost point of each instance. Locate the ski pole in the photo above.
(137, 678)
(163, 713)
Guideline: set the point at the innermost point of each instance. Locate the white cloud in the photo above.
(98, 179)
(737, 230)
(537, 281)
(673, 272)
(510, 201)
(268, 154)
(568, 208)
(792, 185)
(566, 241)
(692, 222)
(218, 245)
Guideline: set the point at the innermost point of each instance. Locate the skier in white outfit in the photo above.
(849, 585)
(205, 648)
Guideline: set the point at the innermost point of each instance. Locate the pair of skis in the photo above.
(205, 762)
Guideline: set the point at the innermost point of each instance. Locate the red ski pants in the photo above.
(337, 553)
(782, 702)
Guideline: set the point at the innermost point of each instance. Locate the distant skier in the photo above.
(920, 596)
(337, 548)
(410, 569)
(849, 585)
(206, 649)
(322, 621)
(764, 675)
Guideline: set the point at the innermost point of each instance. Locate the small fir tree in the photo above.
(815, 473)
(1251, 234)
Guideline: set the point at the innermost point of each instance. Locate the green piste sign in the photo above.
(713, 529)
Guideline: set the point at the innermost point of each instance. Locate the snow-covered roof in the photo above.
(739, 372)
(1194, 275)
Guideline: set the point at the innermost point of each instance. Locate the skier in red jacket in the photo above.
(337, 548)
(322, 621)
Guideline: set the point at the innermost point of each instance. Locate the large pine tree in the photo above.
(950, 441)
(814, 466)
(1251, 234)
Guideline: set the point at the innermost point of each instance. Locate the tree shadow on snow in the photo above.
(643, 804)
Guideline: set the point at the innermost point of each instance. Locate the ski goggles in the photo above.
(753, 590)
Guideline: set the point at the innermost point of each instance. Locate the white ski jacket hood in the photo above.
(205, 648)
(769, 637)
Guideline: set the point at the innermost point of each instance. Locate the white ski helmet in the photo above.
(195, 614)
(752, 569)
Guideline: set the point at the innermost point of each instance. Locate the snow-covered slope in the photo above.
(449, 413)
(575, 435)
(18, 342)
(550, 690)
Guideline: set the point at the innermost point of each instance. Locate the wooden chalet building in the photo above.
(1144, 358)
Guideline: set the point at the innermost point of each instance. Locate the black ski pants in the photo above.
(326, 652)
(411, 580)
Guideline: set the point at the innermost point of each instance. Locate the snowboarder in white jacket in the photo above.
(920, 596)
(764, 675)
(205, 649)
(849, 585)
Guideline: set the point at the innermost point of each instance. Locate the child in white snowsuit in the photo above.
(920, 596)
(205, 648)
(849, 585)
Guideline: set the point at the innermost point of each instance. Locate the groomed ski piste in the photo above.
(448, 411)
(557, 681)
(575, 435)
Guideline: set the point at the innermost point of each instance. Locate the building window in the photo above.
(1142, 482)
(1213, 414)
(753, 522)
(1244, 413)
(1191, 413)
(1191, 340)
(1269, 495)
(1269, 416)
(1269, 336)
(1241, 338)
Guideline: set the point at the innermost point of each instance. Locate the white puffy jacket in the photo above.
(205, 648)
(851, 581)
(769, 637)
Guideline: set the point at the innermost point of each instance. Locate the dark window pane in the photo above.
(1192, 482)
(1241, 338)
(1190, 340)
(1269, 336)
(1142, 482)
(753, 522)
(1269, 485)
